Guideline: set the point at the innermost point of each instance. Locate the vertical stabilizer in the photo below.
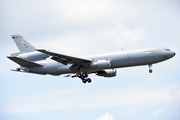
(22, 44)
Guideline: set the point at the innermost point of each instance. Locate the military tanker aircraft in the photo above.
(41, 61)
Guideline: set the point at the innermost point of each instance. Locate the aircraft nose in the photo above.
(174, 53)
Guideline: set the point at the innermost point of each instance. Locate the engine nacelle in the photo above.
(107, 73)
(101, 64)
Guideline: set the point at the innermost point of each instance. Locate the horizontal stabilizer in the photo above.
(64, 59)
(27, 72)
(24, 63)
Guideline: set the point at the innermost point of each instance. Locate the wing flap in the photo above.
(64, 59)
(22, 62)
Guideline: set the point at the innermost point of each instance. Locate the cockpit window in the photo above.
(167, 50)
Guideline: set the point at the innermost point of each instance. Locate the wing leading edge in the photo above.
(64, 59)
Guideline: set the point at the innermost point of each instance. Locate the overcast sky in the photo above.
(87, 27)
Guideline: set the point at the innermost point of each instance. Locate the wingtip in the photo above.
(7, 56)
(67, 75)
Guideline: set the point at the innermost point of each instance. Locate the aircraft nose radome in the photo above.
(174, 53)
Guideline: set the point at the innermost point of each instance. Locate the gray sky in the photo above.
(84, 27)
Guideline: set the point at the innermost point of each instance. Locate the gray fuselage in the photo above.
(105, 61)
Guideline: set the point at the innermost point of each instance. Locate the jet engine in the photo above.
(101, 64)
(107, 73)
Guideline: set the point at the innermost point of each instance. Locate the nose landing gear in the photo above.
(150, 66)
(150, 71)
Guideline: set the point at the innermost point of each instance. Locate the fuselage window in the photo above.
(167, 50)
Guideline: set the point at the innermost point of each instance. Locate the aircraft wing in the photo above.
(64, 59)
(24, 63)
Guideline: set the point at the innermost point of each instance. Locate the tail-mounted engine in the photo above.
(35, 55)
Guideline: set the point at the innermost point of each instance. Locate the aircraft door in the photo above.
(154, 52)
(129, 60)
(158, 51)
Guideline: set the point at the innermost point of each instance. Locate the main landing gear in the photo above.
(150, 66)
(83, 77)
